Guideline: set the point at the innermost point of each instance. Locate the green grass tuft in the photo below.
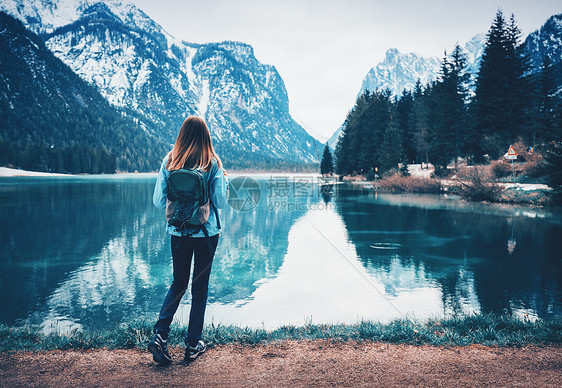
(485, 329)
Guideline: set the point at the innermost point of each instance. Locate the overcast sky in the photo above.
(323, 49)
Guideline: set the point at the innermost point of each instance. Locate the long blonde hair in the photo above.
(193, 147)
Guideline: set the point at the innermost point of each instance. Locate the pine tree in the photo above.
(501, 89)
(422, 123)
(522, 91)
(347, 157)
(343, 146)
(451, 93)
(327, 163)
(418, 89)
(404, 107)
(391, 149)
(343, 164)
(358, 150)
(376, 120)
(490, 99)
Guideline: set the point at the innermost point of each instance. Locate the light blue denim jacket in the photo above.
(218, 193)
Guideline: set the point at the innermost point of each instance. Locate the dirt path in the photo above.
(314, 363)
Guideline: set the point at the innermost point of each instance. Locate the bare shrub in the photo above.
(477, 184)
(500, 169)
(442, 172)
(410, 184)
(532, 169)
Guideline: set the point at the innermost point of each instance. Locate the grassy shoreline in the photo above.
(484, 329)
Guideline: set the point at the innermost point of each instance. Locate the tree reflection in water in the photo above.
(462, 248)
(92, 252)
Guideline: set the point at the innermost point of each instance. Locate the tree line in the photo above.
(458, 115)
(69, 159)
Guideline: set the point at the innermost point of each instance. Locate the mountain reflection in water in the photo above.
(91, 252)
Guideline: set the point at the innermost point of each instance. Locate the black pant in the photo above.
(182, 253)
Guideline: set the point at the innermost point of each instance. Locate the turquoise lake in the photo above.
(92, 252)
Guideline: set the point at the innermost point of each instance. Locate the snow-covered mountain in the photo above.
(333, 140)
(400, 71)
(473, 49)
(547, 41)
(159, 80)
(52, 120)
(43, 16)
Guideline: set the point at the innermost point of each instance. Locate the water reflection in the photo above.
(322, 280)
(93, 252)
(252, 247)
(462, 248)
(49, 230)
(511, 242)
(102, 256)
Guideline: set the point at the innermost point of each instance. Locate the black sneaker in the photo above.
(192, 352)
(159, 349)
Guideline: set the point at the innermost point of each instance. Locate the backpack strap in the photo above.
(214, 208)
(208, 239)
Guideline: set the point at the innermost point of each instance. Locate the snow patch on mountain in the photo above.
(473, 49)
(204, 99)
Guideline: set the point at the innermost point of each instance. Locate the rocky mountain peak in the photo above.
(159, 80)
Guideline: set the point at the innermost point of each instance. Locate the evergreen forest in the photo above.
(458, 115)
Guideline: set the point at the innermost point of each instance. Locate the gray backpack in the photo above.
(188, 203)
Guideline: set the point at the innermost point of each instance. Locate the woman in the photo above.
(193, 149)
